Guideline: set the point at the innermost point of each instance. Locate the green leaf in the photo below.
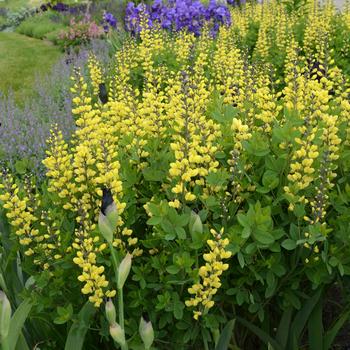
(218, 178)
(301, 319)
(153, 174)
(341, 269)
(225, 336)
(251, 248)
(240, 258)
(289, 244)
(64, 314)
(173, 269)
(22, 343)
(278, 270)
(333, 261)
(77, 332)
(154, 209)
(178, 309)
(198, 241)
(17, 322)
(271, 284)
(299, 210)
(270, 179)
(181, 233)
(240, 297)
(243, 220)
(170, 236)
(332, 333)
(293, 300)
(258, 145)
(154, 220)
(283, 328)
(315, 328)
(263, 237)
(275, 164)
(266, 338)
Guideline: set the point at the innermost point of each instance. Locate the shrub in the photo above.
(80, 32)
(14, 18)
(40, 27)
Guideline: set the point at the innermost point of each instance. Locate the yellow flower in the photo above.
(209, 274)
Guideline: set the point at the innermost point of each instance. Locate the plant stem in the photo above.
(121, 307)
(121, 314)
(116, 263)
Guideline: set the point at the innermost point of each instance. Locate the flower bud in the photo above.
(146, 331)
(123, 270)
(103, 94)
(110, 312)
(5, 315)
(108, 218)
(105, 228)
(117, 333)
(195, 225)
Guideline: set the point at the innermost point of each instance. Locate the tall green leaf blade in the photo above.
(77, 332)
(225, 336)
(21, 343)
(284, 327)
(266, 338)
(332, 333)
(301, 319)
(17, 322)
(315, 328)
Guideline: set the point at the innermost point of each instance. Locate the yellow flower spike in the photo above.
(95, 71)
(209, 273)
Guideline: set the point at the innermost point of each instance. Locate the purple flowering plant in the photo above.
(109, 21)
(24, 129)
(177, 15)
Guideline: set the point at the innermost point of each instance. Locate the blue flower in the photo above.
(178, 15)
(110, 19)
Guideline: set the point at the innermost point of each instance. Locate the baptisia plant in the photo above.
(108, 220)
(220, 164)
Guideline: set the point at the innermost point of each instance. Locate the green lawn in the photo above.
(21, 58)
(15, 4)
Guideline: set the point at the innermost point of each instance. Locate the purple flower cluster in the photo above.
(62, 8)
(109, 21)
(177, 15)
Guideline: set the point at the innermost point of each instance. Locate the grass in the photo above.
(16, 4)
(21, 58)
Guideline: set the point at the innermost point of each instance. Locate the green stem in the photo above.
(121, 307)
(121, 314)
(115, 261)
(116, 264)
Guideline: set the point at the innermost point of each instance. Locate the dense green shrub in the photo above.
(40, 27)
